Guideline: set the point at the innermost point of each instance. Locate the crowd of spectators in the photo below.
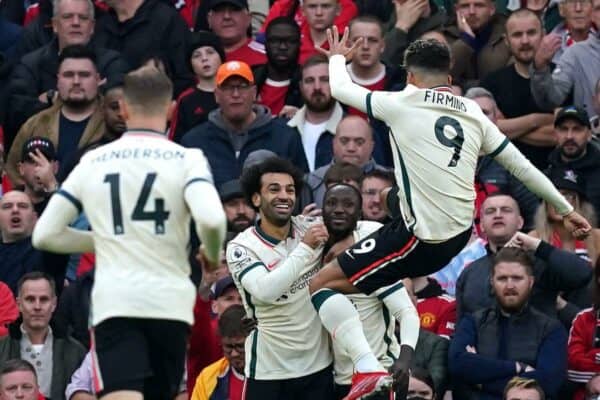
(515, 313)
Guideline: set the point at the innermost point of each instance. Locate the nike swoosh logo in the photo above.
(273, 264)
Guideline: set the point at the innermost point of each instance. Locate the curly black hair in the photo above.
(251, 179)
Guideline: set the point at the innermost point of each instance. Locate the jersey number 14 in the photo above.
(159, 215)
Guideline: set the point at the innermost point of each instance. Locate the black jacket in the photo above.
(555, 271)
(73, 311)
(587, 168)
(265, 132)
(156, 30)
(36, 73)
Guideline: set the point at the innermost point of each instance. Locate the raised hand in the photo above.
(579, 227)
(548, 47)
(339, 46)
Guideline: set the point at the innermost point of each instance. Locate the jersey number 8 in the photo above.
(159, 215)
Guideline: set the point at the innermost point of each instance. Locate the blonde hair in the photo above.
(544, 228)
(524, 383)
(147, 90)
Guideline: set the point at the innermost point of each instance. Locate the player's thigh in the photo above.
(120, 357)
(264, 389)
(332, 277)
(316, 386)
(167, 341)
(364, 262)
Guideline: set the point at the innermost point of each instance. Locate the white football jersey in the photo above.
(289, 341)
(132, 192)
(378, 324)
(436, 138)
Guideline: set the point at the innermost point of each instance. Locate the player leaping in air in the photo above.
(436, 138)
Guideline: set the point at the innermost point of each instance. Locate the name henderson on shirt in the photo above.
(444, 98)
(137, 153)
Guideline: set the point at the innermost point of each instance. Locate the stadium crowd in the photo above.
(515, 315)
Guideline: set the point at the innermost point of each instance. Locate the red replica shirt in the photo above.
(307, 46)
(236, 385)
(252, 53)
(272, 94)
(204, 344)
(378, 83)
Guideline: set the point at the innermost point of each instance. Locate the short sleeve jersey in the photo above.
(132, 192)
(289, 341)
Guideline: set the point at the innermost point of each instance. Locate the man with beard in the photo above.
(74, 121)
(526, 124)
(287, 355)
(341, 211)
(510, 338)
(238, 212)
(317, 120)
(575, 151)
(38, 168)
(277, 80)
(555, 270)
(479, 47)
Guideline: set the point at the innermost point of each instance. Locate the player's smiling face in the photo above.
(341, 210)
(276, 199)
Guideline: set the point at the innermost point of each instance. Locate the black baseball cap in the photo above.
(38, 143)
(221, 285)
(205, 38)
(237, 3)
(231, 190)
(567, 179)
(572, 112)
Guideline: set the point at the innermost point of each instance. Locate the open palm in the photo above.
(339, 46)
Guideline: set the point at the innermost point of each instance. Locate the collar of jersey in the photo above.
(442, 88)
(145, 132)
(267, 238)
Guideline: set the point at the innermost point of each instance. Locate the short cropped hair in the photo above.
(381, 173)
(79, 52)
(478, 92)
(56, 5)
(15, 365)
(230, 322)
(283, 20)
(35, 276)
(343, 171)
(514, 255)
(147, 90)
(367, 19)
(312, 61)
(524, 383)
(427, 56)
(524, 12)
(251, 179)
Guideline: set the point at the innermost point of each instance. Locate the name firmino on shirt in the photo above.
(154, 154)
(445, 99)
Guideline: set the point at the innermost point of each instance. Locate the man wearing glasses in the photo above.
(239, 127)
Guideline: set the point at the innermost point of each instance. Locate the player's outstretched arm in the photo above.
(342, 87)
(211, 224)
(516, 163)
(52, 231)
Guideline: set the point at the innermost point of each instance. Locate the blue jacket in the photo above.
(265, 132)
(500, 341)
